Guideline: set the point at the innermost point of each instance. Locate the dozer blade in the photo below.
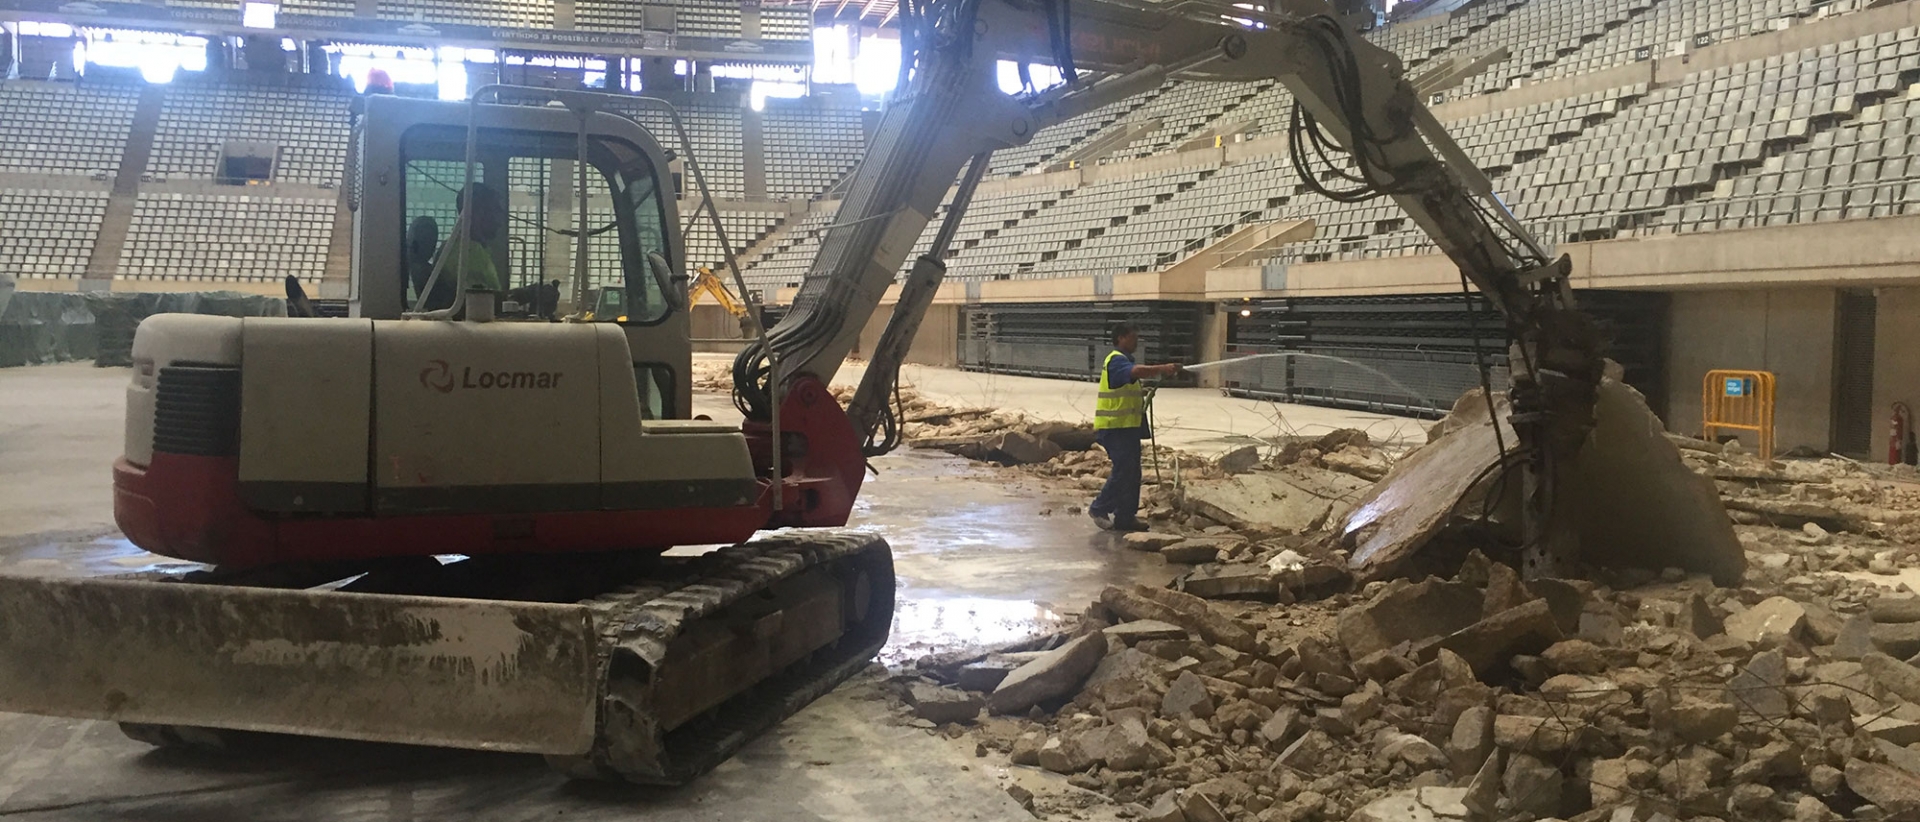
(506, 676)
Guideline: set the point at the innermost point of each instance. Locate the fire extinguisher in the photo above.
(1901, 444)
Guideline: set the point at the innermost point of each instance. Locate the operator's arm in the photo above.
(1150, 371)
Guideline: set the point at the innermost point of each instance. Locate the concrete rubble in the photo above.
(1282, 677)
(1354, 707)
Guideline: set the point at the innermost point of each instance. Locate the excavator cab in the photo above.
(610, 223)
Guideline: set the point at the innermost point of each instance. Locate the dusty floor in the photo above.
(983, 559)
(1195, 420)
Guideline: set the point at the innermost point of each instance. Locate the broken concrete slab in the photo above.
(1894, 609)
(1895, 790)
(1855, 638)
(1166, 809)
(1128, 663)
(1144, 629)
(1294, 499)
(1761, 687)
(943, 705)
(1196, 551)
(1700, 718)
(1021, 448)
(1897, 639)
(1238, 581)
(1187, 697)
(1640, 505)
(1069, 436)
(986, 674)
(1490, 644)
(1532, 786)
(1199, 808)
(1150, 540)
(1416, 805)
(1539, 734)
(1698, 618)
(1892, 729)
(1472, 740)
(1772, 622)
(1054, 675)
(1897, 677)
(1185, 610)
(1394, 519)
(1366, 463)
(1239, 460)
(1122, 746)
(1410, 612)
(1064, 755)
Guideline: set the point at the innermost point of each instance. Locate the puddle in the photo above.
(985, 557)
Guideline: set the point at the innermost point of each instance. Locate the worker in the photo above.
(1119, 425)
(488, 219)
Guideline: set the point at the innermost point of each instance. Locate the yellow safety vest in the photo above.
(1123, 407)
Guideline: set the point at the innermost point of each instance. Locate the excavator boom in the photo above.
(1357, 119)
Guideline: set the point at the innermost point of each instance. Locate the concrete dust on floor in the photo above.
(981, 559)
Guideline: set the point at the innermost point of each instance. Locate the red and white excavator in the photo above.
(448, 531)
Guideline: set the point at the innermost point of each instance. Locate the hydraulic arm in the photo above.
(1358, 132)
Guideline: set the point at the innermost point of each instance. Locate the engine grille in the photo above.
(197, 410)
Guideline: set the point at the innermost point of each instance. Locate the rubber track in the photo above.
(645, 619)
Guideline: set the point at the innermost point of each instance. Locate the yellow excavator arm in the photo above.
(709, 283)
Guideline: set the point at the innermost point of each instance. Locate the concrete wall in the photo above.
(711, 322)
(1788, 331)
(1896, 359)
(937, 343)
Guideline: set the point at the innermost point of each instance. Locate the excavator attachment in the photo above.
(467, 673)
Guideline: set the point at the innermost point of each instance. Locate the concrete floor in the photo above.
(1197, 420)
(987, 558)
(990, 557)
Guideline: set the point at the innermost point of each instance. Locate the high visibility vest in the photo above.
(1123, 407)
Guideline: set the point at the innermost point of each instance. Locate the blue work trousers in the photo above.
(1120, 497)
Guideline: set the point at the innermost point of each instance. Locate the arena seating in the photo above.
(785, 264)
(49, 233)
(1088, 212)
(1823, 134)
(744, 228)
(786, 23)
(1054, 139)
(61, 128)
(308, 124)
(226, 238)
(318, 8)
(534, 14)
(810, 147)
(1182, 110)
(714, 130)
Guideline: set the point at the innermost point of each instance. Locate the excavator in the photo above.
(448, 528)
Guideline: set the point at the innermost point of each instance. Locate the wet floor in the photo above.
(982, 556)
(987, 556)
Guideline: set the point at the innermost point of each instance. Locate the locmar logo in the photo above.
(438, 375)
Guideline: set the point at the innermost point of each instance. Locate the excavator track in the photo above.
(640, 629)
(805, 610)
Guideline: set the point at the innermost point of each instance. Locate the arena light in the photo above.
(259, 15)
(761, 90)
(33, 28)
